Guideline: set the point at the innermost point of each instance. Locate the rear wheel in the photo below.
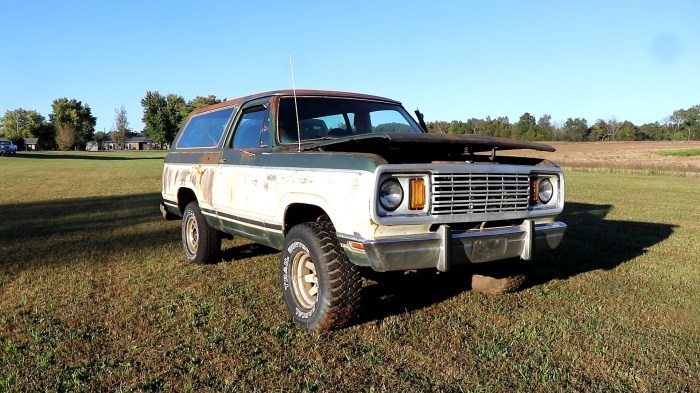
(200, 242)
(321, 286)
(500, 276)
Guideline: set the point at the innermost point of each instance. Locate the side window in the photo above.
(252, 129)
(205, 130)
(388, 121)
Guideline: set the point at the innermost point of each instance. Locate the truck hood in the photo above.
(410, 140)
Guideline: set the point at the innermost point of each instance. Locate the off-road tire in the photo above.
(200, 242)
(499, 277)
(321, 286)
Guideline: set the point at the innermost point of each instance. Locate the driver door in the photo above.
(239, 193)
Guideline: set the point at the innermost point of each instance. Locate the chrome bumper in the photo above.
(446, 248)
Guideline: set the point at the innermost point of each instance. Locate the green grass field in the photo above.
(95, 295)
(683, 153)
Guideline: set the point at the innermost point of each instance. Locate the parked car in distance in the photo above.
(7, 148)
(345, 182)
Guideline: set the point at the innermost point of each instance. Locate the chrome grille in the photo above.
(466, 193)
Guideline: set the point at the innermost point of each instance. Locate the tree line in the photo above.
(682, 124)
(71, 124)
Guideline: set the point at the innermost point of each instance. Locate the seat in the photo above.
(338, 132)
(313, 129)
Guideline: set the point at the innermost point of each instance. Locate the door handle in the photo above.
(222, 160)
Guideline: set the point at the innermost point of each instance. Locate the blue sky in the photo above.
(631, 60)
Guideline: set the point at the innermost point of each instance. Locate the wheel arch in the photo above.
(184, 197)
(298, 213)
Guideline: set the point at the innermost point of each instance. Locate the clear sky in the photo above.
(631, 60)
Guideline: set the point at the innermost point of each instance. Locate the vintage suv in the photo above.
(339, 181)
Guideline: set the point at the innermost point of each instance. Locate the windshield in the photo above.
(328, 118)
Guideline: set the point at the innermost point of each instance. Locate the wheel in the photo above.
(200, 241)
(499, 277)
(321, 286)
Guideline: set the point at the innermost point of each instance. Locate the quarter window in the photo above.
(205, 130)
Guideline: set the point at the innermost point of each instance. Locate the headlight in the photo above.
(390, 194)
(546, 190)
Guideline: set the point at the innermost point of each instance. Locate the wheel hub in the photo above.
(192, 235)
(304, 280)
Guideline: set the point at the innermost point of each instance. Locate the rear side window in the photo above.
(205, 130)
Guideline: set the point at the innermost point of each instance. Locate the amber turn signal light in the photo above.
(534, 190)
(417, 199)
(356, 245)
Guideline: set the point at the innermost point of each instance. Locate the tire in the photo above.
(200, 242)
(321, 286)
(499, 277)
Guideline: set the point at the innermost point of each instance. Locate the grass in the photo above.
(682, 153)
(96, 296)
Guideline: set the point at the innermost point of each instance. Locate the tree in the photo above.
(686, 122)
(575, 130)
(65, 136)
(525, 128)
(457, 127)
(653, 132)
(163, 116)
(121, 127)
(474, 125)
(545, 129)
(613, 128)
(501, 127)
(438, 127)
(73, 113)
(100, 138)
(628, 131)
(599, 130)
(177, 110)
(201, 102)
(20, 123)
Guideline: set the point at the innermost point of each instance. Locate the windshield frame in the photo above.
(286, 111)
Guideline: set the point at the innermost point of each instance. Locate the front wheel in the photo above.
(200, 242)
(321, 286)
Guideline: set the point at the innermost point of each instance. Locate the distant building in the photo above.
(138, 143)
(31, 144)
(92, 146)
(131, 143)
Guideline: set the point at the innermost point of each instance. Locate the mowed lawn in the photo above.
(95, 295)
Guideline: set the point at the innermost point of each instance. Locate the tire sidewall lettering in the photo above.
(289, 253)
(295, 246)
(304, 314)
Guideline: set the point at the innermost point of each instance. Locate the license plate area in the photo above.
(488, 249)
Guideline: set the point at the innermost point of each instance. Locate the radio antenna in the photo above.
(296, 107)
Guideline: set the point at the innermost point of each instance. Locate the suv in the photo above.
(340, 181)
(7, 148)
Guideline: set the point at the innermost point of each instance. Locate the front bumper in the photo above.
(446, 248)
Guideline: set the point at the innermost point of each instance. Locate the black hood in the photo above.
(409, 147)
(470, 143)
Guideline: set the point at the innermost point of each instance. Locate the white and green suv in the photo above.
(341, 182)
